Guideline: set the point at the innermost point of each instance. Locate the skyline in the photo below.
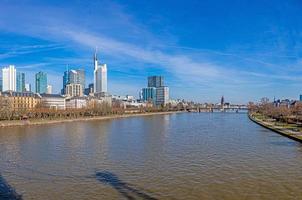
(244, 52)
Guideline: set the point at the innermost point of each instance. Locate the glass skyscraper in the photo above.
(20, 83)
(41, 82)
(73, 77)
(155, 81)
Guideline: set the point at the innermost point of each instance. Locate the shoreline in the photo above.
(17, 123)
(297, 136)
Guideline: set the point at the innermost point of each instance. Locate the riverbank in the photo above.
(55, 121)
(280, 129)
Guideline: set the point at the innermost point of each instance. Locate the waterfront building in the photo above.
(149, 94)
(155, 81)
(53, 101)
(100, 76)
(74, 90)
(41, 83)
(73, 77)
(49, 89)
(76, 102)
(27, 87)
(22, 100)
(162, 95)
(20, 82)
(89, 90)
(9, 78)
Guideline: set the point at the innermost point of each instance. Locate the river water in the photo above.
(177, 156)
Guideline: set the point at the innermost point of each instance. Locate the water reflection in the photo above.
(126, 190)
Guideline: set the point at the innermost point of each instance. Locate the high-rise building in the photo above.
(156, 91)
(149, 94)
(89, 90)
(41, 83)
(27, 87)
(49, 89)
(155, 81)
(20, 85)
(100, 76)
(162, 95)
(9, 78)
(74, 89)
(1, 84)
(73, 77)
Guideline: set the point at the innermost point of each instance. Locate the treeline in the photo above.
(282, 113)
(93, 110)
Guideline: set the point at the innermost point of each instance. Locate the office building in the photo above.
(149, 94)
(89, 90)
(162, 96)
(20, 82)
(74, 90)
(27, 87)
(49, 89)
(155, 81)
(73, 77)
(9, 78)
(100, 76)
(1, 84)
(41, 83)
(300, 97)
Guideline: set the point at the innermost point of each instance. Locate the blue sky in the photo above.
(243, 50)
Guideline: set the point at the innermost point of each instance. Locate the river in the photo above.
(176, 156)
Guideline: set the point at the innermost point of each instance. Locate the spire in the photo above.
(95, 54)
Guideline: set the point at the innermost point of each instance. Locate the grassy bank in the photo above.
(289, 130)
(61, 120)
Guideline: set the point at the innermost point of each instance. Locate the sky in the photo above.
(241, 49)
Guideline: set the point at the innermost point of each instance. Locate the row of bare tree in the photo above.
(283, 113)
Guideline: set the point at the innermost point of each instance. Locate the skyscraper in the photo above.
(162, 95)
(156, 92)
(20, 85)
(49, 89)
(100, 76)
(27, 87)
(155, 81)
(9, 78)
(73, 77)
(41, 82)
(149, 94)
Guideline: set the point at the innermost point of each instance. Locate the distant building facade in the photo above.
(20, 82)
(162, 95)
(49, 89)
(74, 90)
(22, 100)
(149, 94)
(155, 81)
(9, 78)
(73, 77)
(76, 102)
(53, 101)
(89, 90)
(100, 76)
(27, 87)
(41, 83)
(156, 92)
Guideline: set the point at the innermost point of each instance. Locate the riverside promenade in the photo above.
(287, 132)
